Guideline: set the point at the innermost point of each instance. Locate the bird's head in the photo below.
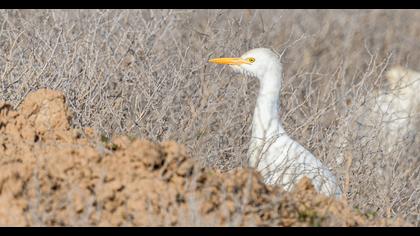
(255, 62)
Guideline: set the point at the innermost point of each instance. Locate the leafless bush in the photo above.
(146, 73)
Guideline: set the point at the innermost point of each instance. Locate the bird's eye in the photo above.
(251, 59)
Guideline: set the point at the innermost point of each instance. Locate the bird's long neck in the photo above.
(266, 120)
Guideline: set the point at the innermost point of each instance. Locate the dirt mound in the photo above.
(55, 175)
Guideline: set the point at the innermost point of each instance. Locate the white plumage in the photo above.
(399, 108)
(389, 118)
(278, 158)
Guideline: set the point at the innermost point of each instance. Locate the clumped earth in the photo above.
(52, 174)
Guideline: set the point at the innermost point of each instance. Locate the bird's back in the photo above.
(283, 161)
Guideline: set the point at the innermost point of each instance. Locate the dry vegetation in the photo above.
(145, 73)
(54, 175)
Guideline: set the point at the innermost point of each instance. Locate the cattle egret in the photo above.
(388, 120)
(278, 158)
(399, 108)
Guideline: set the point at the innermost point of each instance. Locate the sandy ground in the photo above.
(52, 174)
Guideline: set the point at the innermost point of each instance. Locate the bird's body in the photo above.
(279, 158)
(399, 108)
(390, 118)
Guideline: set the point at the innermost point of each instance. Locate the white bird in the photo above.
(278, 158)
(389, 118)
(398, 109)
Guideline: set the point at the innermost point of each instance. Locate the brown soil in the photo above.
(52, 174)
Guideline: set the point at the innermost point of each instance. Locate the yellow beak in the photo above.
(229, 61)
